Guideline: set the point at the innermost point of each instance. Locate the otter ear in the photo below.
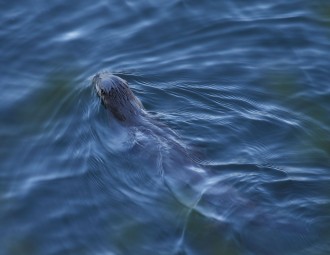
(117, 114)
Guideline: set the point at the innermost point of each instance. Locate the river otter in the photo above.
(154, 140)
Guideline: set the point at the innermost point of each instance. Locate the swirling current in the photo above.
(240, 163)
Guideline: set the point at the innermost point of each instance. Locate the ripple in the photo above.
(244, 86)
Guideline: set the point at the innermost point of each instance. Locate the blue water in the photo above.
(243, 84)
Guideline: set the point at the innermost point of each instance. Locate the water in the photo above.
(243, 84)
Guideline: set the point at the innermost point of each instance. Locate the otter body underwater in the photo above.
(208, 193)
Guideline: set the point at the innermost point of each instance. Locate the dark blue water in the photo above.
(245, 85)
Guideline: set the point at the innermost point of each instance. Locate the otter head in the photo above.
(117, 97)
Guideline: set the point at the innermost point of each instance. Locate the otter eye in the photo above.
(102, 91)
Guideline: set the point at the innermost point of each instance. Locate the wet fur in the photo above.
(118, 97)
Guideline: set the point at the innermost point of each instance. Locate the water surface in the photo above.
(243, 84)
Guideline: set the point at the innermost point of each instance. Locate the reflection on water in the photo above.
(244, 86)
